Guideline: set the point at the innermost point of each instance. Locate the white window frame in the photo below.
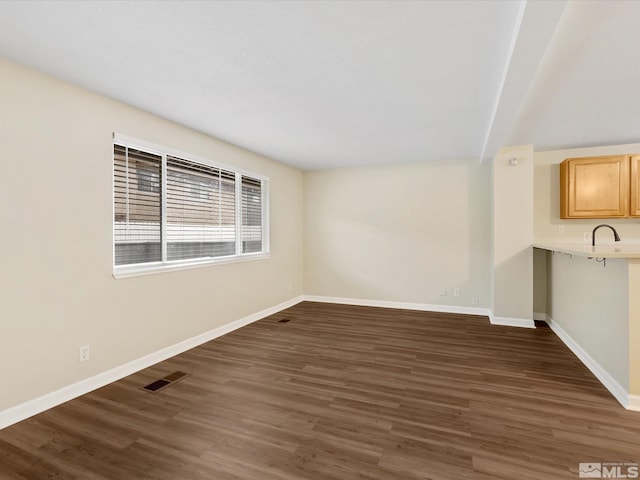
(132, 270)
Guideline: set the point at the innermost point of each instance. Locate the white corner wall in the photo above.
(512, 237)
(399, 233)
(56, 280)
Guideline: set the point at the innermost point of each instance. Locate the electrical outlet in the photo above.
(587, 237)
(560, 229)
(84, 353)
(474, 300)
(456, 292)
(443, 292)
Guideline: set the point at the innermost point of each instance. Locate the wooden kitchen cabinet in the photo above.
(634, 210)
(598, 187)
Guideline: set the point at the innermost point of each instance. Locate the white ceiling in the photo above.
(586, 89)
(320, 84)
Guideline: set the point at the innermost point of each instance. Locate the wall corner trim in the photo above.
(630, 402)
(40, 404)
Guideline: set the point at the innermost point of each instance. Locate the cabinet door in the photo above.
(594, 187)
(635, 186)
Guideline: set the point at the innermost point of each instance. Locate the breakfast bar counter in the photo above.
(605, 250)
(592, 297)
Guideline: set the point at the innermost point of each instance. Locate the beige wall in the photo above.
(547, 200)
(56, 280)
(539, 282)
(590, 303)
(512, 236)
(399, 233)
(634, 327)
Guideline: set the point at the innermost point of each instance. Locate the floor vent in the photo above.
(165, 382)
(284, 320)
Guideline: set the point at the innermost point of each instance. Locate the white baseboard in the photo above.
(631, 402)
(425, 307)
(634, 403)
(512, 322)
(37, 405)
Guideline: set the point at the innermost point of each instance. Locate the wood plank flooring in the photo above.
(340, 392)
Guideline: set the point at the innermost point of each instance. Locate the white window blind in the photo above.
(201, 207)
(251, 215)
(137, 206)
(171, 210)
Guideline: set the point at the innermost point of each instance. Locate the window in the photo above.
(148, 179)
(201, 210)
(251, 215)
(171, 211)
(137, 226)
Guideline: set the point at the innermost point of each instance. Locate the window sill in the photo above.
(126, 271)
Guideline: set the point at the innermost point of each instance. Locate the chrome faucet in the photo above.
(616, 237)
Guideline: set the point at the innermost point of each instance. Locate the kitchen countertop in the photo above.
(605, 250)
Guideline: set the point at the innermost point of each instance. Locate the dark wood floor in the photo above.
(340, 392)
